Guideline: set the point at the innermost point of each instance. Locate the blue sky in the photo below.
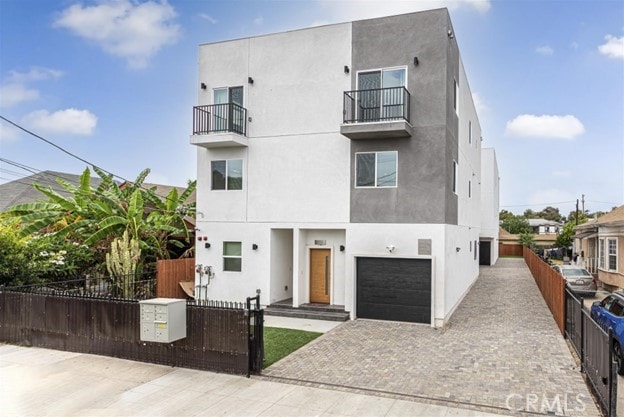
(115, 83)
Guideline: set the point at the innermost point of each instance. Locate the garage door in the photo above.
(394, 289)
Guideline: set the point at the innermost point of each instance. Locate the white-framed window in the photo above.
(455, 176)
(601, 253)
(470, 132)
(612, 254)
(376, 169)
(456, 96)
(232, 256)
(227, 174)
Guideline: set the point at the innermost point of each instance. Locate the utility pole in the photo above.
(583, 202)
(577, 211)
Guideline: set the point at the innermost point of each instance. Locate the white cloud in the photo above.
(549, 196)
(209, 18)
(613, 47)
(15, 89)
(34, 74)
(364, 9)
(562, 174)
(258, 21)
(68, 121)
(13, 94)
(133, 31)
(545, 127)
(544, 50)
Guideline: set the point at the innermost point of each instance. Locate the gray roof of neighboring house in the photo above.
(543, 222)
(21, 191)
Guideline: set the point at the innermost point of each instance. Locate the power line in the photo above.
(52, 178)
(539, 204)
(49, 142)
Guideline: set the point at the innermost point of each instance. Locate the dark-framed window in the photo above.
(227, 174)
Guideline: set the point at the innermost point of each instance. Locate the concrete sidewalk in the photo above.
(42, 382)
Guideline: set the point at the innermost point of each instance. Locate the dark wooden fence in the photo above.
(170, 273)
(550, 283)
(510, 250)
(218, 338)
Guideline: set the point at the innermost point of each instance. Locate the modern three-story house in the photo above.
(341, 165)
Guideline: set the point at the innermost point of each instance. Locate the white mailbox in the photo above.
(163, 320)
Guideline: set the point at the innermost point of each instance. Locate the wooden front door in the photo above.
(320, 275)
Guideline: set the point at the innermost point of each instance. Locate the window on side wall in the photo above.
(456, 97)
(612, 252)
(455, 176)
(601, 253)
(470, 133)
(376, 169)
(227, 174)
(232, 256)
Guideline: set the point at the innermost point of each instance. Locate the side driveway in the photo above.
(501, 350)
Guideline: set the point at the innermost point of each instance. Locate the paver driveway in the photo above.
(501, 349)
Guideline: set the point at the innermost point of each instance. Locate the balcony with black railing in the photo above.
(219, 125)
(376, 113)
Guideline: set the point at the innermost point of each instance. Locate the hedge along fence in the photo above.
(217, 337)
(550, 283)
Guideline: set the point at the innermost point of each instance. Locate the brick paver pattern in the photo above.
(501, 347)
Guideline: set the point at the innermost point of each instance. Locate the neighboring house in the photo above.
(342, 165)
(21, 191)
(601, 245)
(541, 241)
(544, 227)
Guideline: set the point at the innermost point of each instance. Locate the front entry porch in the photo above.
(315, 311)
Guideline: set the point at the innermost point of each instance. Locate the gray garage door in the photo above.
(394, 289)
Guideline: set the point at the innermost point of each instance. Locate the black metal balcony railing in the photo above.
(376, 105)
(219, 118)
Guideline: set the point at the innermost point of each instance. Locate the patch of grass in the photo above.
(279, 343)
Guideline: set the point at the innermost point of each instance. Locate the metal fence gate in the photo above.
(594, 347)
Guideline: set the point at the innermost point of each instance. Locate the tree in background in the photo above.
(565, 237)
(527, 239)
(516, 225)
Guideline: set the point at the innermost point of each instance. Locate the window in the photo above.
(456, 96)
(227, 175)
(455, 174)
(475, 252)
(469, 189)
(612, 248)
(470, 132)
(381, 94)
(232, 256)
(376, 169)
(601, 253)
(617, 309)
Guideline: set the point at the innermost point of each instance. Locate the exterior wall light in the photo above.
(342, 248)
(207, 245)
(457, 249)
(203, 86)
(250, 80)
(346, 69)
(415, 61)
(254, 247)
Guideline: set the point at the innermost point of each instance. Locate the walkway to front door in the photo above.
(502, 350)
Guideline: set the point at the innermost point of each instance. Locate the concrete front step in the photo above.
(324, 308)
(306, 313)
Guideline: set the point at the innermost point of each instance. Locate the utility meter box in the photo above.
(163, 320)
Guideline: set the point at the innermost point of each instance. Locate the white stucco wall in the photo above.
(490, 194)
(461, 267)
(469, 156)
